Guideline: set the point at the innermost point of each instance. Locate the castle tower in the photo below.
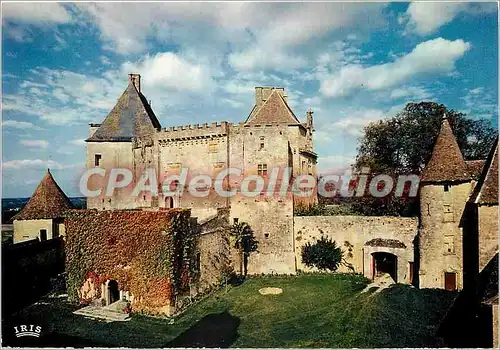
(41, 217)
(444, 189)
(111, 145)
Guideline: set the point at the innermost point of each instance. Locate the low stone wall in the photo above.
(393, 235)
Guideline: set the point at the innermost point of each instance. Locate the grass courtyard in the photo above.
(313, 311)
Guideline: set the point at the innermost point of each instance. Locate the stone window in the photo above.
(97, 159)
(448, 213)
(43, 235)
(212, 147)
(446, 188)
(235, 220)
(449, 245)
(262, 169)
(261, 147)
(266, 235)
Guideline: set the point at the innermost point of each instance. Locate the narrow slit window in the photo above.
(97, 159)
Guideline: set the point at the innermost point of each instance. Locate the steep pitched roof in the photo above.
(486, 190)
(47, 202)
(447, 162)
(132, 116)
(475, 167)
(274, 110)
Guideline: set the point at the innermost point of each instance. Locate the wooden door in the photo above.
(450, 281)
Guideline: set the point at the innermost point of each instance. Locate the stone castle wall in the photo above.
(440, 243)
(488, 233)
(351, 233)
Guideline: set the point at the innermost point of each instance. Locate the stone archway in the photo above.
(384, 262)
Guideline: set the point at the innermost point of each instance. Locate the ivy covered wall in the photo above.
(149, 254)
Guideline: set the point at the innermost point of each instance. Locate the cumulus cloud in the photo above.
(34, 143)
(335, 164)
(35, 164)
(19, 125)
(171, 71)
(36, 13)
(426, 17)
(433, 56)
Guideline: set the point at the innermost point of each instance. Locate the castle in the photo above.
(455, 236)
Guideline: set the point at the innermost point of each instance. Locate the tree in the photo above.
(403, 144)
(324, 254)
(244, 241)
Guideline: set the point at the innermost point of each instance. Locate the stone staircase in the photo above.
(110, 313)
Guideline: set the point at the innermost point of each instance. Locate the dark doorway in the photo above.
(169, 202)
(450, 281)
(43, 235)
(113, 291)
(385, 263)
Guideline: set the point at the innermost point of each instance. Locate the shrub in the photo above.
(324, 254)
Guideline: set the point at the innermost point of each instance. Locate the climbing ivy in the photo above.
(148, 253)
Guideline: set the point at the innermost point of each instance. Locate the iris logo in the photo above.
(28, 331)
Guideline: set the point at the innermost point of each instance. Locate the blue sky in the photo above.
(65, 65)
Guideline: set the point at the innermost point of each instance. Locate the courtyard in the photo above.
(313, 310)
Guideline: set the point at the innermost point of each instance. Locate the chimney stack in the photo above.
(136, 80)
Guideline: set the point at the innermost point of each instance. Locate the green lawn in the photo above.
(313, 311)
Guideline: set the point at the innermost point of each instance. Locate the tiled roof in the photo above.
(486, 190)
(274, 110)
(383, 242)
(132, 116)
(447, 162)
(487, 287)
(475, 167)
(47, 202)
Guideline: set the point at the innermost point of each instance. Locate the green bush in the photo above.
(324, 254)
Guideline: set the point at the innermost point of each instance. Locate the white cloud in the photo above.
(34, 143)
(171, 71)
(105, 60)
(410, 92)
(480, 103)
(79, 142)
(19, 125)
(276, 40)
(335, 164)
(426, 17)
(35, 163)
(36, 13)
(433, 56)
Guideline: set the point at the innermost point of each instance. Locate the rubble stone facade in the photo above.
(270, 138)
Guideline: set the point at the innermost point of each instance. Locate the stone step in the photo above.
(103, 314)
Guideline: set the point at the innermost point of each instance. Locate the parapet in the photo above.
(195, 131)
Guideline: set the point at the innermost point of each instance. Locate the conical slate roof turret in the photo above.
(447, 162)
(47, 202)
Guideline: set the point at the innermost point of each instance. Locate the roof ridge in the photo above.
(253, 115)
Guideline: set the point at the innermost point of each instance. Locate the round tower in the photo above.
(444, 189)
